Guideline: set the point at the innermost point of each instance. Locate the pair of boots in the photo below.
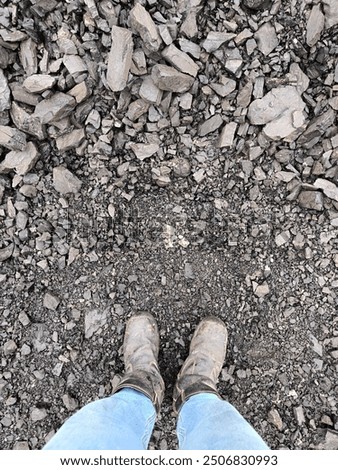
(198, 374)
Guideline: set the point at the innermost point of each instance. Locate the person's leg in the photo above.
(122, 421)
(206, 421)
(126, 419)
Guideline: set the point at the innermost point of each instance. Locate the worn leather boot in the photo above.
(200, 371)
(140, 351)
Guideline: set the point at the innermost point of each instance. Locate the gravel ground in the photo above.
(178, 157)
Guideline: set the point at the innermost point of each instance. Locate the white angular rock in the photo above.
(38, 83)
(329, 189)
(94, 320)
(5, 94)
(142, 23)
(315, 26)
(143, 151)
(150, 92)
(119, 59)
(11, 138)
(266, 38)
(215, 39)
(331, 13)
(227, 135)
(22, 161)
(64, 181)
(55, 108)
(180, 60)
(281, 111)
(169, 79)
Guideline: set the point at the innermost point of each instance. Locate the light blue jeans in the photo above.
(125, 421)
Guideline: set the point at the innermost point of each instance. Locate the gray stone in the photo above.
(281, 111)
(150, 92)
(5, 95)
(11, 138)
(28, 123)
(189, 26)
(64, 181)
(180, 60)
(80, 92)
(266, 38)
(94, 320)
(38, 83)
(224, 88)
(215, 39)
(10, 347)
(331, 13)
(22, 161)
(298, 78)
(142, 23)
(161, 176)
(51, 301)
(169, 79)
(23, 96)
(257, 4)
(330, 189)
(210, 125)
(299, 415)
(70, 403)
(136, 109)
(6, 252)
(275, 419)
(120, 58)
(311, 200)
(316, 128)
(315, 25)
(74, 64)
(227, 135)
(143, 151)
(53, 109)
(71, 140)
(38, 414)
(181, 167)
(28, 56)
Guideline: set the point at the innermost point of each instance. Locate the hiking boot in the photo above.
(140, 351)
(200, 371)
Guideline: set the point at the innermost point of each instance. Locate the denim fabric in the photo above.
(207, 422)
(125, 421)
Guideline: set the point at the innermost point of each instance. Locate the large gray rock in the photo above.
(315, 25)
(38, 83)
(266, 38)
(180, 60)
(5, 94)
(281, 111)
(169, 79)
(311, 200)
(120, 58)
(329, 189)
(69, 141)
(215, 39)
(142, 23)
(331, 12)
(26, 122)
(11, 138)
(55, 108)
(22, 161)
(64, 181)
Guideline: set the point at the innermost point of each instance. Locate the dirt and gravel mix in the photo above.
(179, 157)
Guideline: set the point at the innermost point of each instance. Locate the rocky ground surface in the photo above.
(179, 157)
